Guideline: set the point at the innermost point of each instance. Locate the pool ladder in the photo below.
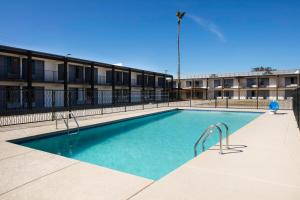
(66, 121)
(208, 131)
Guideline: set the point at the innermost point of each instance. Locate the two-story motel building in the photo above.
(39, 73)
(277, 84)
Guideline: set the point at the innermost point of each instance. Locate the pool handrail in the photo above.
(75, 119)
(63, 118)
(209, 130)
(66, 122)
(227, 132)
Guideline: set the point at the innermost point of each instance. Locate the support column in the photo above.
(129, 85)
(222, 82)
(143, 86)
(239, 88)
(113, 84)
(257, 84)
(66, 83)
(172, 87)
(277, 86)
(154, 86)
(206, 95)
(29, 80)
(93, 83)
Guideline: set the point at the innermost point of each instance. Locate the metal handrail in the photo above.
(66, 122)
(227, 132)
(75, 119)
(209, 130)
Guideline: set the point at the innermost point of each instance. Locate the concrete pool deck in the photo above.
(267, 168)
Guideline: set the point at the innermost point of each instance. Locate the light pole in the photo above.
(179, 18)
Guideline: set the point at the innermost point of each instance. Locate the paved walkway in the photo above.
(267, 168)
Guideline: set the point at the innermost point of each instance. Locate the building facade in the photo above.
(277, 85)
(28, 79)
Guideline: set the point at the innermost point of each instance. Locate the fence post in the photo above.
(168, 99)
(191, 98)
(53, 105)
(257, 102)
(226, 102)
(69, 98)
(143, 99)
(101, 102)
(297, 106)
(215, 102)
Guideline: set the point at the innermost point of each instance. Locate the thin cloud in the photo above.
(209, 26)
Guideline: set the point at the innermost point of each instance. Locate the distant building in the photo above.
(277, 84)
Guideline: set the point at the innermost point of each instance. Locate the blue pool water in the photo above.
(150, 146)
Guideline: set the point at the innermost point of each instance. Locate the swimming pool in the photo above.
(149, 146)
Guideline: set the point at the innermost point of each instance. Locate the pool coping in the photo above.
(144, 185)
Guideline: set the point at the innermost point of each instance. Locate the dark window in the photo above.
(188, 83)
(228, 94)
(9, 67)
(228, 83)
(139, 80)
(60, 72)
(217, 94)
(125, 78)
(38, 72)
(288, 94)
(217, 83)
(108, 77)
(263, 93)
(290, 80)
(251, 93)
(251, 82)
(13, 95)
(161, 82)
(263, 82)
(88, 77)
(75, 74)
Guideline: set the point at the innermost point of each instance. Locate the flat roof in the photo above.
(242, 74)
(14, 50)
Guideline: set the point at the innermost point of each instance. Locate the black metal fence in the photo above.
(24, 106)
(296, 105)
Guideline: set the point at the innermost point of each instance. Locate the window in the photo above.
(161, 82)
(118, 78)
(251, 82)
(263, 82)
(251, 94)
(228, 83)
(108, 77)
(288, 94)
(217, 83)
(12, 94)
(217, 94)
(139, 80)
(290, 80)
(199, 83)
(263, 94)
(9, 67)
(125, 78)
(60, 72)
(188, 83)
(37, 69)
(228, 94)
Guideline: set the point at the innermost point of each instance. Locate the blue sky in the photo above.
(217, 36)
